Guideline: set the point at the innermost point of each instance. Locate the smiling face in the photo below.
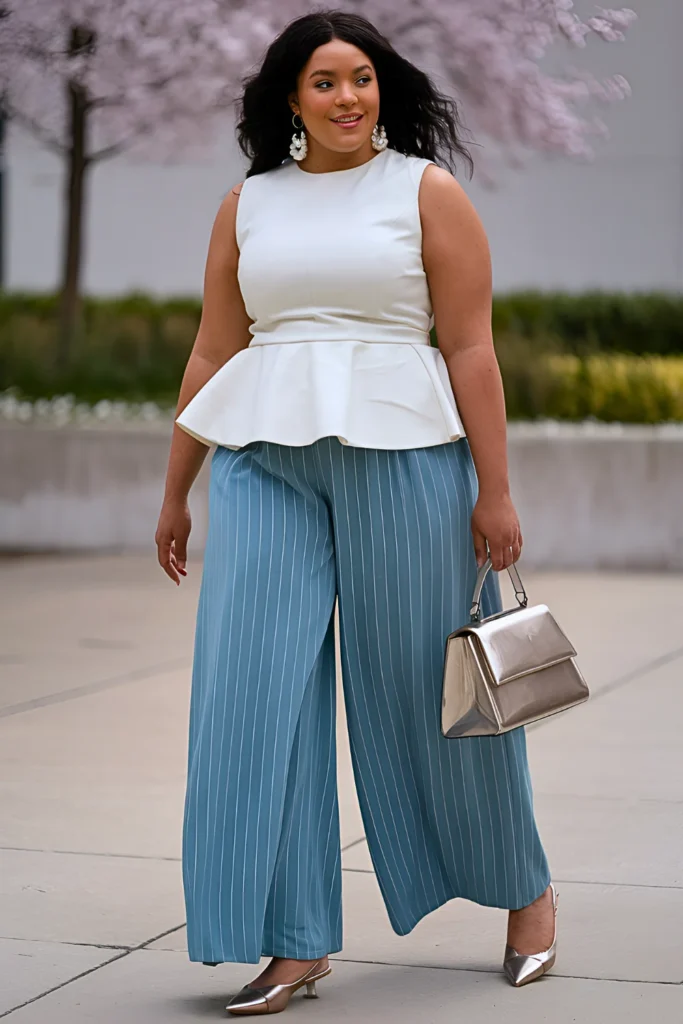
(337, 98)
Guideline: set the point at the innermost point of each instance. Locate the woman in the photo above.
(342, 470)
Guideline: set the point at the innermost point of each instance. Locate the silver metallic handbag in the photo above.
(507, 670)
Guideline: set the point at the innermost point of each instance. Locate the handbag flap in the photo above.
(521, 641)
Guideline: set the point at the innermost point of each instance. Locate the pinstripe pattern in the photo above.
(388, 531)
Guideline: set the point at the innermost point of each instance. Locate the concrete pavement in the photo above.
(94, 669)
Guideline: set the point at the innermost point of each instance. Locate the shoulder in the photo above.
(405, 165)
(227, 211)
(444, 204)
(223, 234)
(439, 188)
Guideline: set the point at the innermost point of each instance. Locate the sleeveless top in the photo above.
(330, 269)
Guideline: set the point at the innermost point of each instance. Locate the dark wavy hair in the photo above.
(419, 120)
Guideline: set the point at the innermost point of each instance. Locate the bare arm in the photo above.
(458, 266)
(223, 331)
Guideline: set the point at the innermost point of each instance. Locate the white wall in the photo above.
(615, 223)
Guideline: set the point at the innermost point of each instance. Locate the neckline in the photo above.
(343, 170)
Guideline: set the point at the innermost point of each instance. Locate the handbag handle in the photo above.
(520, 592)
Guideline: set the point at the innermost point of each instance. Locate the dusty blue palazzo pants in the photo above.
(290, 528)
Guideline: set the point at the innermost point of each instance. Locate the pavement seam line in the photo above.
(564, 881)
(350, 846)
(560, 881)
(140, 674)
(380, 963)
(68, 942)
(121, 856)
(90, 853)
(63, 984)
(135, 676)
(334, 957)
(621, 681)
(359, 871)
(83, 974)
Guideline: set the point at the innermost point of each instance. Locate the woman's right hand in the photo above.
(171, 538)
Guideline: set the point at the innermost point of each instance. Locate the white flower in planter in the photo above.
(103, 410)
(63, 409)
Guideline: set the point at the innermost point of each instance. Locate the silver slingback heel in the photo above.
(520, 968)
(275, 998)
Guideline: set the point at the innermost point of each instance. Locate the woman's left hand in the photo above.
(494, 521)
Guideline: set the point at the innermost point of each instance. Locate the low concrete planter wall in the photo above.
(86, 488)
(588, 496)
(597, 497)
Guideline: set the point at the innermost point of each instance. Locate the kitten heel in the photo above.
(522, 969)
(275, 998)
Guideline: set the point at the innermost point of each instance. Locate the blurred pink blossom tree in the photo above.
(490, 52)
(92, 78)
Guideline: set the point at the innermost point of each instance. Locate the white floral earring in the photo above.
(379, 139)
(299, 145)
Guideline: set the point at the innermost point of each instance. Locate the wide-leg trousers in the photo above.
(388, 533)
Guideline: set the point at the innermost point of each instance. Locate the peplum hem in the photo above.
(368, 394)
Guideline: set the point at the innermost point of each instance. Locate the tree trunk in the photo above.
(73, 226)
(2, 191)
(77, 165)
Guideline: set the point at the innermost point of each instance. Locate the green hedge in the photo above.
(133, 348)
(565, 357)
(609, 387)
(636, 323)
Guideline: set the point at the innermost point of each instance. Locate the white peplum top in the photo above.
(331, 273)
